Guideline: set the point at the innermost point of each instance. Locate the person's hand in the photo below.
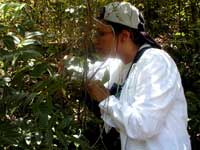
(97, 91)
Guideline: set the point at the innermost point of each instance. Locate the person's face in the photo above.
(104, 41)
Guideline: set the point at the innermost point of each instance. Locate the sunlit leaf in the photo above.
(19, 6)
(30, 42)
(4, 7)
(16, 39)
(33, 34)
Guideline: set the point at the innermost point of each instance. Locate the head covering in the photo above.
(124, 13)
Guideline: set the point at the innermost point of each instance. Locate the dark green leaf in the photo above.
(39, 69)
(9, 42)
(2, 28)
(20, 30)
(30, 54)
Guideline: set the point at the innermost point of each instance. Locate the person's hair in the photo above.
(138, 36)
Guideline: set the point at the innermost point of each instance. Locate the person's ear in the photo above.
(124, 35)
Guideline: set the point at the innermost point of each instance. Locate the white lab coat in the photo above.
(151, 112)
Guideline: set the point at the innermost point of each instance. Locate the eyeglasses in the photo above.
(98, 34)
(101, 33)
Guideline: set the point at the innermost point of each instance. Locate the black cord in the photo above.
(137, 57)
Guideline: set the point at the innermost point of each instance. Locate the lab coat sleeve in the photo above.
(152, 99)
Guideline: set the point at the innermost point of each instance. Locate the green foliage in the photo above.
(39, 98)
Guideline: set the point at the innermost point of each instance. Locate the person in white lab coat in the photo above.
(148, 107)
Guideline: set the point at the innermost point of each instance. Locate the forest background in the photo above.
(44, 50)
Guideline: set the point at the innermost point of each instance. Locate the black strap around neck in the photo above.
(116, 88)
(137, 57)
